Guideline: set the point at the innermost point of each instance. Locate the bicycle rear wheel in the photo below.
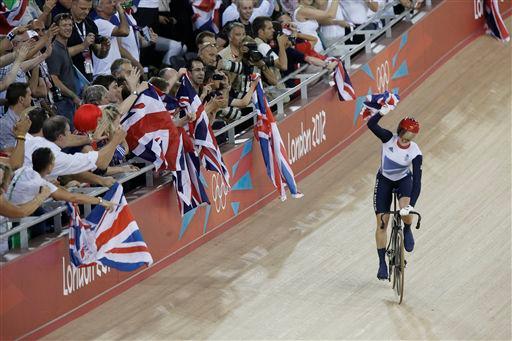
(399, 266)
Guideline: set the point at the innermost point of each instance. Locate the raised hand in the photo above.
(89, 40)
(109, 205)
(406, 210)
(22, 126)
(119, 135)
(133, 78)
(22, 52)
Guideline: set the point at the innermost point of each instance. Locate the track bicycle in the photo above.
(395, 249)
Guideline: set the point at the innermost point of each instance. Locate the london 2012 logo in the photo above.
(383, 77)
(219, 192)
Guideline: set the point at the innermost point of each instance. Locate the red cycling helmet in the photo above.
(408, 124)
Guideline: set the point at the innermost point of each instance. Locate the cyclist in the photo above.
(399, 152)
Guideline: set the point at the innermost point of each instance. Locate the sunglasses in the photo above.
(62, 16)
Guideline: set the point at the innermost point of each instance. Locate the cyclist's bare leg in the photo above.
(403, 202)
(381, 236)
(408, 237)
(381, 240)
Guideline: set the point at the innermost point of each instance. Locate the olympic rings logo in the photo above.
(478, 6)
(219, 192)
(383, 77)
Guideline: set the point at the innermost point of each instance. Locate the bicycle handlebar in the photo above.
(418, 223)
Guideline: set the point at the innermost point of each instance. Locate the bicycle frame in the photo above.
(395, 248)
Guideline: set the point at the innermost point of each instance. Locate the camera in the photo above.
(283, 29)
(217, 77)
(100, 39)
(211, 95)
(254, 56)
(56, 94)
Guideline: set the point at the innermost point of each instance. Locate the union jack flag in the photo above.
(379, 102)
(10, 18)
(384, 103)
(201, 130)
(494, 22)
(152, 135)
(171, 103)
(272, 146)
(190, 189)
(342, 82)
(206, 15)
(109, 238)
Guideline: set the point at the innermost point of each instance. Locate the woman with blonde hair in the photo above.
(109, 122)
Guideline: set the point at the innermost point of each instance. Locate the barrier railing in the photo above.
(57, 208)
(306, 80)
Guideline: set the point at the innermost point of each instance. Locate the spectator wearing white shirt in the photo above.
(241, 11)
(10, 210)
(104, 11)
(356, 13)
(56, 132)
(264, 9)
(27, 182)
(131, 45)
(332, 29)
(306, 18)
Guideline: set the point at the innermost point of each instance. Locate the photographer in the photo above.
(217, 84)
(85, 39)
(264, 31)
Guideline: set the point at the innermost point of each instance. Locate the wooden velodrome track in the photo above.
(306, 269)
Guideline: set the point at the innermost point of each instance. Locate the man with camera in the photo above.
(85, 40)
(277, 62)
(60, 67)
(103, 12)
(264, 31)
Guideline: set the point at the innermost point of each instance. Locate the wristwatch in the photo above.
(135, 93)
(101, 201)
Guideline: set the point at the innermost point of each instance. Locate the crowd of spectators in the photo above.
(72, 68)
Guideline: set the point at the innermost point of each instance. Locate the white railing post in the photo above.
(368, 43)
(24, 239)
(280, 107)
(231, 136)
(57, 223)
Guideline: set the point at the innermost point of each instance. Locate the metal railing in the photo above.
(57, 208)
(306, 80)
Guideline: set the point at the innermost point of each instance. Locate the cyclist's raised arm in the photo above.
(416, 179)
(373, 124)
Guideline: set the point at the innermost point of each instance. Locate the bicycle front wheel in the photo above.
(399, 266)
